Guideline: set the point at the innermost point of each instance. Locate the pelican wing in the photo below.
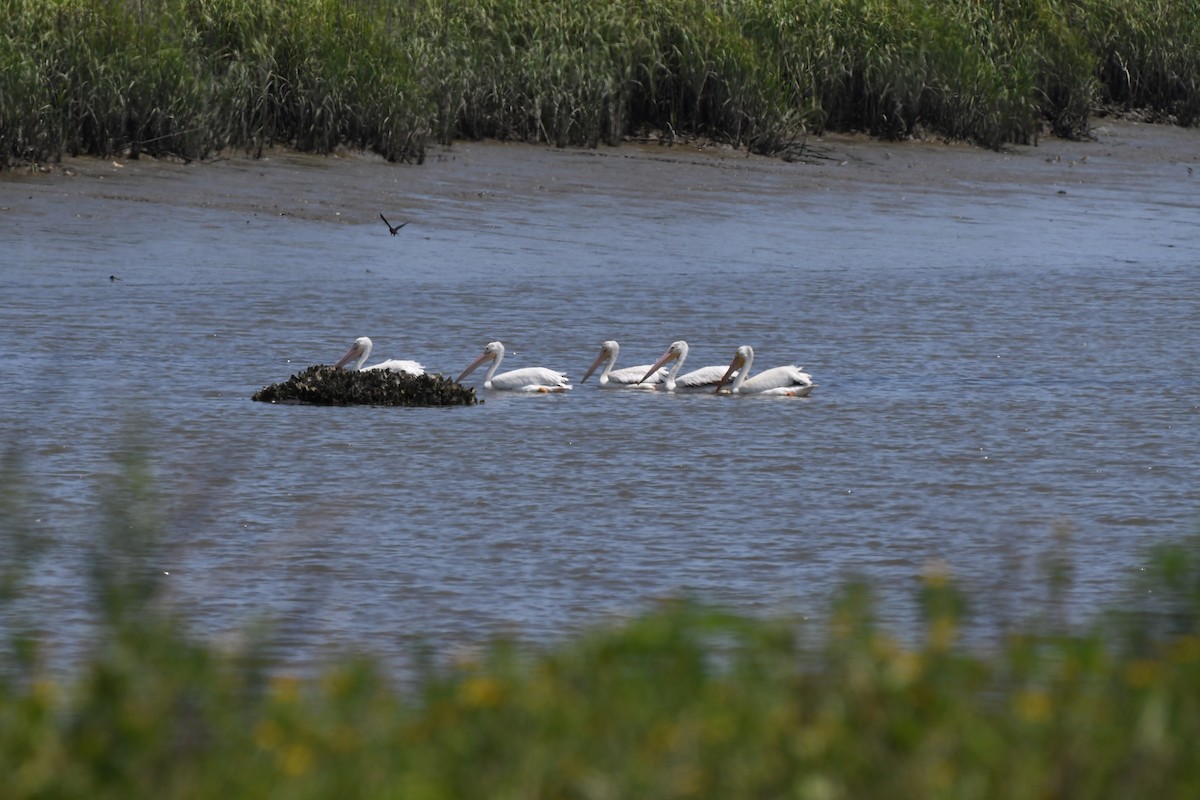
(779, 380)
(400, 365)
(531, 379)
(630, 376)
(703, 378)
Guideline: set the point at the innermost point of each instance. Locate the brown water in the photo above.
(1005, 346)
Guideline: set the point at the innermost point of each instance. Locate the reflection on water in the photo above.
(1003, 376)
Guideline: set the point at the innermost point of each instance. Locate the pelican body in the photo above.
(527, 379)
(625, 378)
(704, 379)
(789, 381)
(361, 350)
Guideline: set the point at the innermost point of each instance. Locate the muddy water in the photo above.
(1005, 345)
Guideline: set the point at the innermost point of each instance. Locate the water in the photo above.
(1004, 346)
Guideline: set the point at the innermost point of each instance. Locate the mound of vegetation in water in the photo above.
(325, 386)
(186, 78)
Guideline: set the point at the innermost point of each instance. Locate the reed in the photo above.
(188, 77)
(1147, 55)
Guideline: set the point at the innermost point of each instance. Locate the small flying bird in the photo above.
(393, 228)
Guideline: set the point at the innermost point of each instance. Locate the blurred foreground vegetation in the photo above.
(681, 702)
(188, 78)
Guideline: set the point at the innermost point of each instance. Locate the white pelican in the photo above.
(527, 379)
(787, 381)
(700, 380)
(627, 377)
(361, 349)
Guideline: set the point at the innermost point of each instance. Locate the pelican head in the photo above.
(493, 352)
(676, 352)
(742, 359)
(608, 351)
(358, 353)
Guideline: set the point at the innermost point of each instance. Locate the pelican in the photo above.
(622, 378)
(361, 349)
(527, 379)
(700, 380)
(787, 381)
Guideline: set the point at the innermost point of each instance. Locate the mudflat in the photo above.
(1119, 155)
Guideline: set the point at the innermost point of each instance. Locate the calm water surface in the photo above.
(1007, 372)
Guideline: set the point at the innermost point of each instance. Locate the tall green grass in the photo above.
(190, 77)
(1147, 55)
(682, 701)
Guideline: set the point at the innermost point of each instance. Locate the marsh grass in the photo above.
(1147, 55)
(189, 77)
(185, 78)
(682, 700)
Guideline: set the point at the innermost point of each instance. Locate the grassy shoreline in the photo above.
(187, 78)
(683, 701)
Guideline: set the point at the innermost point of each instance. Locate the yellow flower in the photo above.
(481, 691)
(268, 734)
(1186, 650)
(286, 688)
(297, 759)
(1033, 705)
(1141, 672)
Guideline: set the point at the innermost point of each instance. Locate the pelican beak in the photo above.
(354, 352)
(667, 358)
(734, 366)
(599, 360)
(482, 358)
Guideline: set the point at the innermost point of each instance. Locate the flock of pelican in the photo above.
(786, 381)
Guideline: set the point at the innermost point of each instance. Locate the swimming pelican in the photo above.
(361, 349)
(625, 378)
(527, 379)
(700, 380)
(787, 381)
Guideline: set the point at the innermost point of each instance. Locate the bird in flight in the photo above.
(393, 228)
